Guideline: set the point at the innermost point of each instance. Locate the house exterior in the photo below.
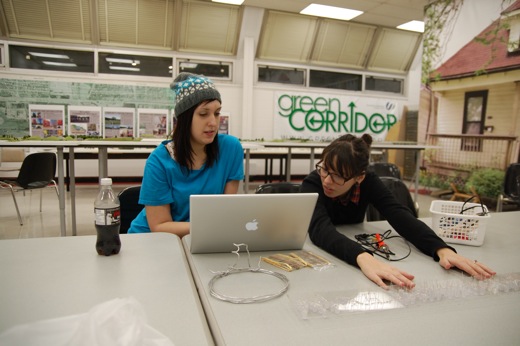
(471, 108)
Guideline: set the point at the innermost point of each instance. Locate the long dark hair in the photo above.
(348, 155)
(181, 138)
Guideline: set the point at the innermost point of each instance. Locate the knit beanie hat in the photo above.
(191, 89)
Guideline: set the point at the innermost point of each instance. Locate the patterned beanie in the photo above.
(191, 89)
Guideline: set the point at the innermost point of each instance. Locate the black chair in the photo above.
(401, 193)
(281, 187)
(37, 172)
(511, 187)
(130, 207)
(384, 169)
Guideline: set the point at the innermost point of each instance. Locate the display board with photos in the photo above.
(84, 121)
(46, 120)
(118, 122)
(224, 123)
(152, 123)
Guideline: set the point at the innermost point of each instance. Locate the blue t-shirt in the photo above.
(165, 183)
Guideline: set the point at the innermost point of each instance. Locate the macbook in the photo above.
(265, 222)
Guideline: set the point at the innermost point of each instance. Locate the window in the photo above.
(37, 58)
(474, 115)
(390, 85)
(218, 70)
(2, 64)
(137, 65)
(335, 80)
(281, 75)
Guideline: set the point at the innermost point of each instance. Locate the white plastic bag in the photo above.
(121, 321)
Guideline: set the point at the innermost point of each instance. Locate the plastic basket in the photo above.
(468, 228)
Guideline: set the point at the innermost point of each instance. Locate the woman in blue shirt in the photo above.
(197, 160)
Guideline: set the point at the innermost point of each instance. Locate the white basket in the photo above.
(468, 228)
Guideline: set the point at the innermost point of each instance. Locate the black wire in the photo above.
(371, 246)
(484, 212)
(463, 204)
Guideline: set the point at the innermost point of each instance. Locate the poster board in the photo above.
(46, 120)
(152, 123)
(224, 124)
(84, 121)
(118, 122)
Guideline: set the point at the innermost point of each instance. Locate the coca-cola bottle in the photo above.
(107, 219)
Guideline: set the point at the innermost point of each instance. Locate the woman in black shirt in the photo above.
(345, 189)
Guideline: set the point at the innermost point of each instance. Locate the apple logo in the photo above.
(252, 225)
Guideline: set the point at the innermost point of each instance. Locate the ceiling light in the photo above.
(414, 25)
(124, 68)
(66, 64)
(188, 65)
(48, 55)
(123, 61)
(230, 2)
(330, 12)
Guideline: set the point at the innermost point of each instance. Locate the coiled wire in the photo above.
(247, 300)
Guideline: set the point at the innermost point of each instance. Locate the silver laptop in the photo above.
(265, 222)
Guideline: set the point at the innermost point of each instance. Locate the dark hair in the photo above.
(181, 138)
(348, 155)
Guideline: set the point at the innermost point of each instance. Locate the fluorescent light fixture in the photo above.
(124, 68)
(330, 12)
(230, 2)
(414, 25)
(123, 61)
(188, 65)
(48, 55)
(66, 64)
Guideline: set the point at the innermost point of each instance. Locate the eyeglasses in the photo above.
(336, 178)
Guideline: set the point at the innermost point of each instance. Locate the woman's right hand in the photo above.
(378, 271)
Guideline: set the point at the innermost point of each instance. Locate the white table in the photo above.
(44, 278)
(247, 155)
(486, 320)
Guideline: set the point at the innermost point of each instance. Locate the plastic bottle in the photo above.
(107, 219)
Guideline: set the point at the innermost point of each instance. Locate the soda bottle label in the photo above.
(107, 217)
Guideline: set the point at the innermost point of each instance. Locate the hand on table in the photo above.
(378, 271)
(449, 259)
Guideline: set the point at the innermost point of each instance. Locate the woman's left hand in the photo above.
(449, 259)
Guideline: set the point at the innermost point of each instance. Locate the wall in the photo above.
(500, 111)
(250, 105)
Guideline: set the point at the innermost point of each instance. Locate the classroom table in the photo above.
(138, 150)
(483, 320)
(46, 278)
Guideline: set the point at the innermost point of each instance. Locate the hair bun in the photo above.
(367, 139)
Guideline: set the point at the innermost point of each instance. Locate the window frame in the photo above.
(469, 125)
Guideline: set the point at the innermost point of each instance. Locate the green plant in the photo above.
(488, 182)
(434, 180)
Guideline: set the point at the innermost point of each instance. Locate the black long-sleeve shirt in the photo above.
(331, 212)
